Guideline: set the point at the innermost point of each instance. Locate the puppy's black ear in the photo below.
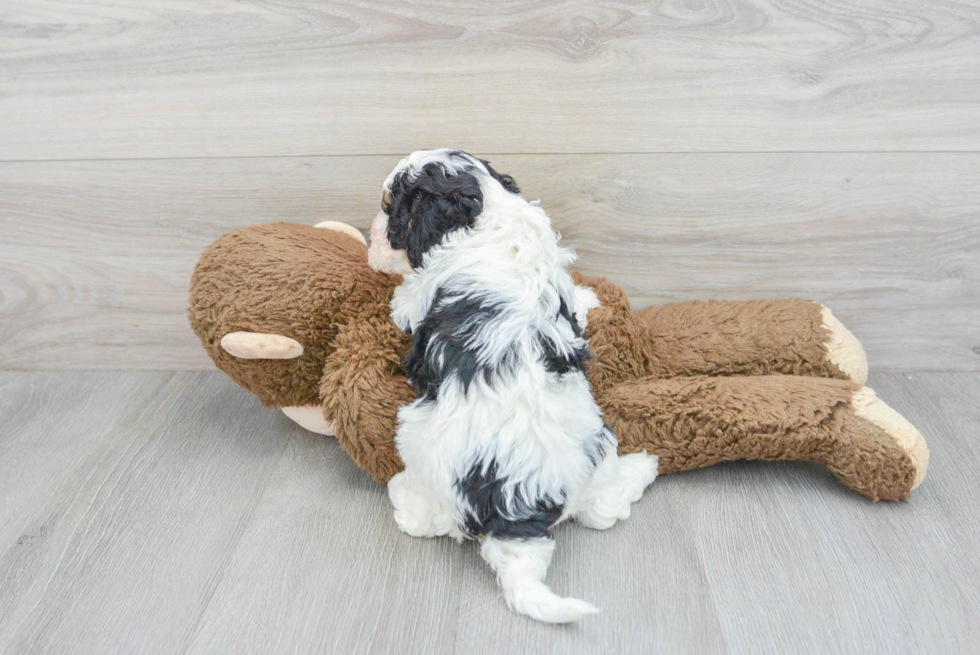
(425, 208)
(506, 181)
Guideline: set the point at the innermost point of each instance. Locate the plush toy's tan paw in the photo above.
(310, 417)
(871, 408)
(843, 348)
(349, 230)
(256, 345)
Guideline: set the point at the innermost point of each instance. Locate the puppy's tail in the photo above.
(521, 565)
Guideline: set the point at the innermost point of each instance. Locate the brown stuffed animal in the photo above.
(294, 314)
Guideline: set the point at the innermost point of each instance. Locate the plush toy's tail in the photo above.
(521, 565)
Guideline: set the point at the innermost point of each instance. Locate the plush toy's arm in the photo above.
(693, 422)
(614, 338)
(361, 390)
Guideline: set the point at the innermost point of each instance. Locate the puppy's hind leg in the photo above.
(417, 510)
(617, 483)
(521, 565)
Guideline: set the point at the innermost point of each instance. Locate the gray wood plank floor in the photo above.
(156, 512)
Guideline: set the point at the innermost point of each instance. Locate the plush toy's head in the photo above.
(267, 302)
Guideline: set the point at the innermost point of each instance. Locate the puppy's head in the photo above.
(429, 194)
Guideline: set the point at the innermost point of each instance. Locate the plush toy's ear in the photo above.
(257, 345)
(343, 228)
(426, 205)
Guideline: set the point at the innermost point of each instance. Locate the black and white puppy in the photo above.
(505, 439)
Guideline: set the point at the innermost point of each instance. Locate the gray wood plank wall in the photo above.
(716, 148)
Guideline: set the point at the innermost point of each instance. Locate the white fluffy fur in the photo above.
(534, 423)
(521, 567)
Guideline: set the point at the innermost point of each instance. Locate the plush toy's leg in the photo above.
(418, 512)
(311, 418)
(757, 337)
(695, 422)
(618, 482)
(793, 337)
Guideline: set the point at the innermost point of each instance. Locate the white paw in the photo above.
(600, 517)
(637, 471)
(612, 500)
(416, 512)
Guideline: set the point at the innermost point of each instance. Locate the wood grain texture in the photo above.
(199, 522)
(824, 571)
(298, 581)
(153, 78)
(124, 555)
(645, 575)
(33, 466)
(97, 256)
(324, 569)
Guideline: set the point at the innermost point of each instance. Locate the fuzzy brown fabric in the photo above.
(614, 337)
(282, 278)
(693, 422)
(690, 382)
(362, 388)
(724, 338)
(758, 337)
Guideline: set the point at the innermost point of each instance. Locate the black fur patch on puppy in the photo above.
(443, 344)
(489, 514)
(566, 313)
(596, 450)
(505, 180)
(556, 361)
(428, 205)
